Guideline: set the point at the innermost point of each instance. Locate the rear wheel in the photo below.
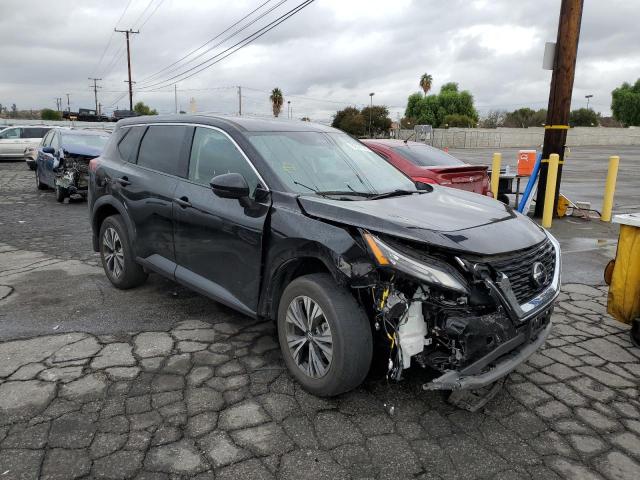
(117, 255)
(324, 335)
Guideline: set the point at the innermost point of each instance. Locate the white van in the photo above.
(14, 140)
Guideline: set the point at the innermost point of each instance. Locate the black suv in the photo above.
(303, 224)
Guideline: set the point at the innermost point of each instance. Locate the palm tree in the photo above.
(425, 83)
(277, 100)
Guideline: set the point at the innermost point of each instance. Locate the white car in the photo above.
(14, 140)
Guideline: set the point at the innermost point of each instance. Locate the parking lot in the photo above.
(160, 382)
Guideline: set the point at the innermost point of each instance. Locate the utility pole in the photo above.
(58, 103)
(175, 95)
(288, 108)
(95, 91)
(239, 101)
(68, 103)
(127, 33)
(557, 124)
(99, 108)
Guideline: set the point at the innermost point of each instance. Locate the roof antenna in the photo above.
(407, 139)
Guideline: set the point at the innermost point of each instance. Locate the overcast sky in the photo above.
(331, 54)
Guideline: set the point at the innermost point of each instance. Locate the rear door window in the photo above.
(128, 146)
(34, 132)
(164, 148)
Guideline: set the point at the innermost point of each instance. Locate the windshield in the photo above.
(99, 140)
(327, 162)
(426, 156)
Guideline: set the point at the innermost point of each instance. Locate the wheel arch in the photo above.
(105, 207)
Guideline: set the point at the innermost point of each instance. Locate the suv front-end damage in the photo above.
(470, 319)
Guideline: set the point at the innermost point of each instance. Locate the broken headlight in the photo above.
(433, 274)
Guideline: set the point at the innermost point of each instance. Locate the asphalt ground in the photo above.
(159, 382)
(584, 172)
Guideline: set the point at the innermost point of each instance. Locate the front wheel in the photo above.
(61, 193)
(39, 184)
(325, 336)
(117, 255)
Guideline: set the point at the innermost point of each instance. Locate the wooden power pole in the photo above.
(95, 92)
(564, 65)
(127, 33)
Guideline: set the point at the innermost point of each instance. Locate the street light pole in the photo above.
(588, 97)
(370, 114)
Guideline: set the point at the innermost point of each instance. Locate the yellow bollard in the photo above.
(495, 173)
(550, 190)
(610, 188)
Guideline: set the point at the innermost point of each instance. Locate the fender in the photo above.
(109, 201)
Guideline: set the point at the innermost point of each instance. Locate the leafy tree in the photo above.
(493, 119)
(141, 109)
(525, 117)
(49, 114)
(14, 110)
(449, 87)
(356, 122)
(349, 120)
(380, 121)
(625, 104)
(432, 109)
(277, 100)
(455, 120)
(583, 117)
(408, 122)
(425, 83)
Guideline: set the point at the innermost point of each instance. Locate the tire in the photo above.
(121, 269)
(39, 184)
(349, 331)
(61, 193)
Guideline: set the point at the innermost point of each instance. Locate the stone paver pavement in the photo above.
(212, 400)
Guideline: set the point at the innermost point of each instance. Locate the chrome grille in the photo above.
(518, 268)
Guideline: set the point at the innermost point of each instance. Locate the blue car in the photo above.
(62, 161)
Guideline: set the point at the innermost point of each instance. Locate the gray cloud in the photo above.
(330, 53)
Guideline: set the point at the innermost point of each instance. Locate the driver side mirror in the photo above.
(49, 150)
(230, 185)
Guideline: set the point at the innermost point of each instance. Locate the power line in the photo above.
(243, 43)
(151, 15)
(106, 47)
(147, 79)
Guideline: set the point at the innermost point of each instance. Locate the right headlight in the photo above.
(386, 256)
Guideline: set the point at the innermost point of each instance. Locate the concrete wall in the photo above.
(10, 122)
(527, 137)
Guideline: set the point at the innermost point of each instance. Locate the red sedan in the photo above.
(423, 163)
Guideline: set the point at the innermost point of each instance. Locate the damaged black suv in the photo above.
(303, 224)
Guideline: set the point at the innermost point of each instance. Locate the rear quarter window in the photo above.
(164, 148)
(129, 143)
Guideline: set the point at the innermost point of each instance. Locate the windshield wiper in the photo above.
(352, 193)
(395, 193)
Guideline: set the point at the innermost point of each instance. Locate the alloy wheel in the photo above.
(113, 252)
(309, 337)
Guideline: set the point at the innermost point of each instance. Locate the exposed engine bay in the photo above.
(460, 334)
(72, 174)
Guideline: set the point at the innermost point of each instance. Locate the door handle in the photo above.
(183, 202)
(124, 181)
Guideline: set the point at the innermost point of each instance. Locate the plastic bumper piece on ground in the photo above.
(457, 380)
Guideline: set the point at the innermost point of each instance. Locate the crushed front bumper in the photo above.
(534, 317)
